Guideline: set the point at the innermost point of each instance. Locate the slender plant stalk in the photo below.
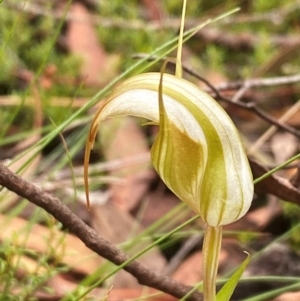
(178, 70)
(211, 250)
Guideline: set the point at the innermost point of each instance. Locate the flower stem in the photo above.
(211, 249)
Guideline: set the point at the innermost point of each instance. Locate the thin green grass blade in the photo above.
(270, 295)
(269, 173)
(226, 291)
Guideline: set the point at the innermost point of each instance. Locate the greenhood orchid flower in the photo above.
(197, 153)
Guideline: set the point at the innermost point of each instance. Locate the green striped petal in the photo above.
(198, 152)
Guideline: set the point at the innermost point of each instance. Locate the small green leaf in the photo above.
(227, 290)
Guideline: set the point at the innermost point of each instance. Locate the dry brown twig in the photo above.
(259, 82)
(243, 86)
(90, 238)
(275, 185)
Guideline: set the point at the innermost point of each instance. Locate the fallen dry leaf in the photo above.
(154, 10)
(117, 227)
(190, 271)
(123, 138)
(97, 66)
(156, 205)
(295, 296)
(65, 248)
(283, 146)
(61, 285)
(263, 216)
